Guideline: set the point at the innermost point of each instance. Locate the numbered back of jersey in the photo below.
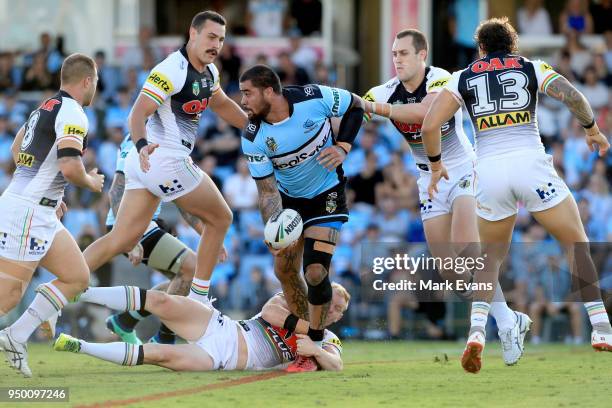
(28, 137)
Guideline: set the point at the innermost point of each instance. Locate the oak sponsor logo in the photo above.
(25, 159)
(495, 64)
(160, 81)
(503, 120)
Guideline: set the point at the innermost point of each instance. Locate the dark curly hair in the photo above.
(497, 35)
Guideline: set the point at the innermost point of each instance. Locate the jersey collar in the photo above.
(183, 51)
(65, 94)
(287, 95)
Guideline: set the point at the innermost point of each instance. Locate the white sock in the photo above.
(118, 353)
(504, 316)
(199, 290)
(115, 297)
(598, 316)
(48, 301)
(478, 316)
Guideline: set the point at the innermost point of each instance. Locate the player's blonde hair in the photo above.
(343, 292)
(76, 67)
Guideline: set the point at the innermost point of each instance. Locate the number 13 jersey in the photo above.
(500, 93)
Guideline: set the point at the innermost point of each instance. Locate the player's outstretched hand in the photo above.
(597, 140)
(136, 254)
(144, 154)
(96, 180)
(331, 157)
(438, 171)
(61, 210)
(282, 251)
(305, 346)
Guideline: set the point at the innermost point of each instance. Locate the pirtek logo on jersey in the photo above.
(502, 120)
(496, 64)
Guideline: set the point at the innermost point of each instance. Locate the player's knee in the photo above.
(320, 293)
(225, 218)
(157, 300)
(317, 259)
(315, 274)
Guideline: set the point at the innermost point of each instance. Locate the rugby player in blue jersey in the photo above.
(297, 163)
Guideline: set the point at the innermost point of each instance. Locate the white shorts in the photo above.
(220, 341)
(460, 183)
(27, 230)
(526, 177)
(172, 174)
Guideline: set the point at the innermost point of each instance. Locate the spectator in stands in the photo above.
(289, 73)
(301, 54)
(133, 56)
(108, 77)
(322, 75)
(260, 292)
(604, 75)
(8, 77)
(14, 109)
(148, 63)
(608, 52)
(462, 24)
(533, 19)
(266, 18)
(208, 164)
(222, 141)
(580, 56)
(6, 140)
(37, 77)
(552, 296)
(597, 197)
(240, 189)
(601, 10)
(392, 221)
(368, 181)
(398, 183)
(307, 16)
(575, 18)
(117, 113)
(594, 90)
(230, 68)
(575, 154)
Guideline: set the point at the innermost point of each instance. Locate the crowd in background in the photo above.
(381, 173)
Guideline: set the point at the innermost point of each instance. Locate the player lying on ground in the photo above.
(157, 249)
(500, 92)
(47, 152)
(272, 339)
(297, 163)
(449, 218)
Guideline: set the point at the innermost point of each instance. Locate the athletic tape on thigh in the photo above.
(167, 255)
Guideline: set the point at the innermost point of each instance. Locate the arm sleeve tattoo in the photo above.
(116, 192)
(575, 101)
(270, 202)
(193, 221)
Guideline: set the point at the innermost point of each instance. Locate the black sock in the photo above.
(127, 321)
(165, 334)
(140, 359)
(315, 335)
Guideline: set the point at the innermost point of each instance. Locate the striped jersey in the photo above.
(38, 177)
(456, 148)
(182, 93)
(500, 92)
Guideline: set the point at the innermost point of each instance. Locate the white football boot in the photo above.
(512, 340)
(16, 353)
(471, 358)
(601, 341)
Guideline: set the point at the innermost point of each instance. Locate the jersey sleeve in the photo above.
(216, 78)
(71, 125)
(331, 340)
(452, 85)
(437, 80)
(259, 164)
(545, 74)
(335, 101)
(162, 82)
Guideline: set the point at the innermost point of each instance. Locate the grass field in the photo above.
(402, 374)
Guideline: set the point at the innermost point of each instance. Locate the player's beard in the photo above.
(261, 115)
(88, 98)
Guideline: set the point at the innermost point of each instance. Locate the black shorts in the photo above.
(150, 239)
(329, 207)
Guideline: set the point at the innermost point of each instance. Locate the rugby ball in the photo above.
(283, 229)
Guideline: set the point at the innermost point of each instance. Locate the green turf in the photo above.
(376, 375)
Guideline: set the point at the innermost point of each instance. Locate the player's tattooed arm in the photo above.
(115, 193)
(270, 202)
(193, 221)
(562, 90)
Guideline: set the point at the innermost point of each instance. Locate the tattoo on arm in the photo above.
(193, 221)
(562, 90)
(116, 192)
(270, 202)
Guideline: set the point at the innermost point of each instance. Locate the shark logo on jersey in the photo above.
(309, 91)
(271, 143)
(195, 88)
(546, 193)
(309, 125)
(331, 204)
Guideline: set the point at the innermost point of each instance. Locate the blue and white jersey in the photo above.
(289, 149)
(124, 149)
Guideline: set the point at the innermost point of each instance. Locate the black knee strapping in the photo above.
(320, 294)
(313, 256)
